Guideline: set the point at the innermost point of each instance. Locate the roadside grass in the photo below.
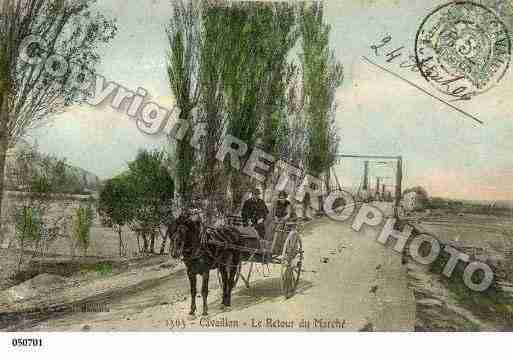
(66, 269)
(492, 305)
(103, 269)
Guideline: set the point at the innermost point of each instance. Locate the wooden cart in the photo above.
(285, 250)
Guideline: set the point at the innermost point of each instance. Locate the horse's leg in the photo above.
(224, 281)
(232, 265)
(192, 282)
(204, 291)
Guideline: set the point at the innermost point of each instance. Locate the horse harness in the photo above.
(204, 249)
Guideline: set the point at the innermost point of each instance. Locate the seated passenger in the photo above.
(283, 208)
(254, 212)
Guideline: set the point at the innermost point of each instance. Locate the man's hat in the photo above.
(194, 211)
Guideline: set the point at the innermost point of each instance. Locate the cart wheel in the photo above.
(291, 263)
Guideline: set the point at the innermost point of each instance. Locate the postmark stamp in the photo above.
(463, 49)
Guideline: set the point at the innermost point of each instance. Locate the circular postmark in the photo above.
(463, 49)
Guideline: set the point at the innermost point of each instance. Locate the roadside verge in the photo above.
(18, 314)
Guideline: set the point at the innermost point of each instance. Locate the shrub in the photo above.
(82, 223)
(27, 224)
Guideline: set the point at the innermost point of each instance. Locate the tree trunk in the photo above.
(211, 186)
(4, 146)
(306, 204)
(164, 241)
(163, 246)
(145, 243)
(137, 236)
(21, 252)
(152, 242)
(120, 242)
(43, 251)
(185, 154)
(238, 186)
(320, 209)
(72, 248)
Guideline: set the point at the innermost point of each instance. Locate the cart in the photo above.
(285, 250)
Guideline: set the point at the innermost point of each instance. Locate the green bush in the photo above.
(82, 223)
(27, 224)
(103, 268)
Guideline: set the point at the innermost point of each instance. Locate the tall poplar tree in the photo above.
(322, 75)
(183, 33)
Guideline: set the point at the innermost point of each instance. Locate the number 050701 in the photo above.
(29, 342)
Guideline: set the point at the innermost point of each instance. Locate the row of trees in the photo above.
(140, 199)
(261, 72)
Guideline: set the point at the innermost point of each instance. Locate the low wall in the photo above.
(104, 241)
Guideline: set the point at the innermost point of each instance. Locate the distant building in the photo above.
(414, 199)
(410, 202)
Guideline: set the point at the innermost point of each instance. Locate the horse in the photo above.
(190, 242)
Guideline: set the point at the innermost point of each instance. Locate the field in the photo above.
(485, 238)
(104, 248)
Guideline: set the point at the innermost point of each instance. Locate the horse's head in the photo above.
(183, 235)
(178, 241)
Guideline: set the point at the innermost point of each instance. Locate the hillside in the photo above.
(76, 179)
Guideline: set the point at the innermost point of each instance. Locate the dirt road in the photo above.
(350, 282)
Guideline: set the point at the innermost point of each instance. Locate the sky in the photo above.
(377, 114)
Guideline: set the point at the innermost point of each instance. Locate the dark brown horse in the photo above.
(191, 243)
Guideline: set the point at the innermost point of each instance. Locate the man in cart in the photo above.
(254, 212)
(282, 210)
